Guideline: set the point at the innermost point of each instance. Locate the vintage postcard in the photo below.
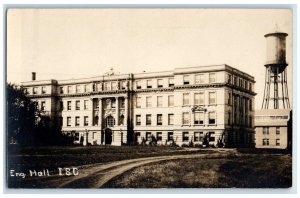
(149, 98)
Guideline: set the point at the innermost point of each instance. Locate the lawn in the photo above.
(52, 157)
(239, 171)
(239, 168)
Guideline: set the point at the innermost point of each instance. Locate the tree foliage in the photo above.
(21, 114)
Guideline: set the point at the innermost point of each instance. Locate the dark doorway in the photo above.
(108, 136)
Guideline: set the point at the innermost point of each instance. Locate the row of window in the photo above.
(239, 82)
(77, 105)
(106, 86)
(35, 90)
(198, 119)
(266, 142)
(77, 121)
(266, 130)
(198, 100)
(197, 136)
(239, 101)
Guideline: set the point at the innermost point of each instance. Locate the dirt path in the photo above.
(96, 175)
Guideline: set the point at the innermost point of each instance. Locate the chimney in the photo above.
(33, 76)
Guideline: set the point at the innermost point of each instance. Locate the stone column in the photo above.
(100, 119)
(91, 109)
(85, 137)
(117, 111)
(126, 111)
(100, 112)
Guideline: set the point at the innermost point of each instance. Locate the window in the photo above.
(159, 136)
(212, 78)
(186, 79)
(250, 86)
(121, 120)
(159, 101)
(148, 119)
(94, 135)
(77, 104)
(170, 119)
(114, 86)
(86, 88)
(138, 85)
(85, 104)
(186, 99)
(265, 130)
(229, 117)
(228, 78)
(34, 91)
(69, 89)
(138, 120)
(138, 102)
(211, 118)
(250, 105)
(148, 101)
(199, 118)
(61, 90)
(122, 103)
(171, 100)
(235, 80)
(171, 82)
(277, 142)
(77, 121)
(95, 121)
(43, 90)
(211, 136)
(43, 104)
(110, 121)
(170, 136)
(86, 120)
(198, 136)
(265, 142)
(113, 103)
(61, 122)
(76, 138)
(69, 105)
(185, 118)
(78, 88)
(68, 121)
(185, 136)
(123, 85)
(212, 98)
(246, 84)
(199, 79)
(277, 130)
(61, 105)
(199, 98)
(229, 98)
(149, 83)
(148, 136)
(106, 86)
(159, 119)
(160, 83)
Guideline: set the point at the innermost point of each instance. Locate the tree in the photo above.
(21, 115)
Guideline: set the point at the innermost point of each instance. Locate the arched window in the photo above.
(110, 121)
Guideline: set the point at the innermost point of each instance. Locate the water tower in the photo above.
(276, 89)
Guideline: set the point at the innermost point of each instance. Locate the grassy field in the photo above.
(245, 171)
(240, 168)
(62, 156)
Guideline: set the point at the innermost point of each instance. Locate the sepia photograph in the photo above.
(149, 98)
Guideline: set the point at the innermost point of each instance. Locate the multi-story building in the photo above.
(183, 106)
(273, 128)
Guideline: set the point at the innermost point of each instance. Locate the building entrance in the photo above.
(108, 136)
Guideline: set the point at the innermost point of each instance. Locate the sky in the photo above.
(77, 43)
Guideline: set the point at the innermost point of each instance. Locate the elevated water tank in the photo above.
(276, 51)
